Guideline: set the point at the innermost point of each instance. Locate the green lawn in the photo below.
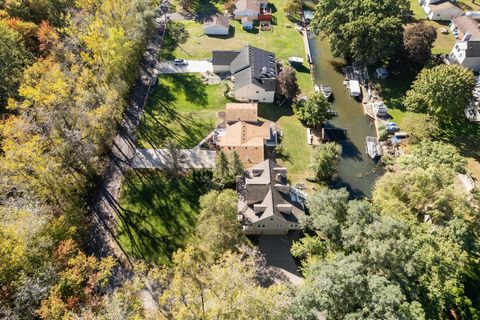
(444, 42)
(283, 41)
(158, 213)
(182, 107)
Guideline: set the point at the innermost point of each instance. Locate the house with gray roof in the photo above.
(466, 50)
(254, 72)
(266, 203)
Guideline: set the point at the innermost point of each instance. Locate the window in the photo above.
(264, 99)
(258, 91)
(279, 225)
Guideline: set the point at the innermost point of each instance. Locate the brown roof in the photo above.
(241, 111)
(218, 20)
(465, 24)
(443, 5)
(244, 133)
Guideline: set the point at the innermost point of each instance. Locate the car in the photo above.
(180, 62)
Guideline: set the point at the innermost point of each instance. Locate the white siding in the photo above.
(246, 13)
(215, 30)
(221, 68)
(253, 92)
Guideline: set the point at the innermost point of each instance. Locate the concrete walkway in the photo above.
(194, 66)
(195, 158)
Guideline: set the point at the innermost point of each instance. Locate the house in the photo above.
(254, 72)
(218, 25)
(441, 9)
(247, 8)
(266, 203)
(242, 132)
(466, 51)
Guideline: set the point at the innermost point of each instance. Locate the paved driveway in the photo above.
(195, 158)
(194, 66)
(276, 250)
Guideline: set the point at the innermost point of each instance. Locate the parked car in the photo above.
(180, 62)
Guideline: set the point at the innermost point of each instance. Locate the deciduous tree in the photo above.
(325, 161)
(314, 110)
(418, 39)
(287, 83)
(292, 7)
(443, 91)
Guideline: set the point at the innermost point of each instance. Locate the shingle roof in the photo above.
(265, 185)
(241, 5)
(444, 5)
(218, 20)
(254, 65)
(465, 24)
(223, 58)
(473, 49)
(241, 111)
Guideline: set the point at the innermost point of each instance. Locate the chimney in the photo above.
(281, 187)
(259, 207)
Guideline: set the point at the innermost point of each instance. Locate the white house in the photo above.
(217, 25)
(254, 72)
(466, 51)
(441, 9)
(246, 8)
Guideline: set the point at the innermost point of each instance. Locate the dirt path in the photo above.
(105, 210)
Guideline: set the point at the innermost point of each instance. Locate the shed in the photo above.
(295, 61)
(217, 25)
(247, 23)
(443, 10)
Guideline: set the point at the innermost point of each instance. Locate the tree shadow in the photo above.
(273, 111)
(159, 213)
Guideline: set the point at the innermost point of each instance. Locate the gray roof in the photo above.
(250, 65)
(473, 49)
(265, 185)
(223, 58)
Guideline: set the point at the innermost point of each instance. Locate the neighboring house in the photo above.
(246, 8)
(266, 203)
(217, 25)
(243, 133)
(441, 9)
(466, 51)
(254, 72)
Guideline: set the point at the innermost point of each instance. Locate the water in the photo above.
(357, 172)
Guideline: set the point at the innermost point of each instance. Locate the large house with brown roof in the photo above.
(466, 51)
(254, 72)
(242, 132)
(441, 9)
(266, 203)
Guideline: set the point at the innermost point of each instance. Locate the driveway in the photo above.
(195, 158)
(276, 250)
(194, 66)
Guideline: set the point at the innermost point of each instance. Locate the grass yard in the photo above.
(283, 41)
(444, 42)
(296, 151)
(158, 213)
(183, 108)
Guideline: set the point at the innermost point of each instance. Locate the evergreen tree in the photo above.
(237, 167)
(221, 174)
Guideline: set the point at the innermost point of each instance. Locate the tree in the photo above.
(420, 127)
(433, 154)
(48, 38)
(221, 174)
(443, 91)
(225, 289)
(324, 161)
(313, 111)
(230, 6)
(218, 229)
(292, 7)
(361, 30)
(287, 83)
(187, 5)
(418, 39)
(13, 59)
(237, 167)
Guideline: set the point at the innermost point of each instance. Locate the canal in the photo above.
(357, 172)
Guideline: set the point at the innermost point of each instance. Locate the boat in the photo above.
(326, 91)
(316, 88)
(295, 61)
(372, 147)
(332, 113)
(354, 88)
